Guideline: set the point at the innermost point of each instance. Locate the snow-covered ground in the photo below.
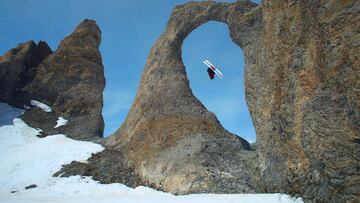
(26, 160)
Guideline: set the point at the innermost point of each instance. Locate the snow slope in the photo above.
(26, 160)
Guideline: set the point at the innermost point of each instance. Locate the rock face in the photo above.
(302, 79)
(70, 81)
(17, 67)
(302, 76)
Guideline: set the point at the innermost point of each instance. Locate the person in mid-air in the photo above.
(211, 73)
(212, 70)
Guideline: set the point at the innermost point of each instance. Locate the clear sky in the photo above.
(129, 29)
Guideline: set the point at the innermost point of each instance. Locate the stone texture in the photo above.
(71, 82)
(301, 88)
(17, 67)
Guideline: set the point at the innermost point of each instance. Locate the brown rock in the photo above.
(70, 81)
(301, 89)
(16, 69)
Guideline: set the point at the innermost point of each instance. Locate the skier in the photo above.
(211, 73)
(212, 70)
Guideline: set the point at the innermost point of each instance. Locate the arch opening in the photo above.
(223, 97)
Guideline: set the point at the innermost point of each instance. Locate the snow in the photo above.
(26, 159)
(60, 122)
(27, 107)
(43, 106)
(31, 160)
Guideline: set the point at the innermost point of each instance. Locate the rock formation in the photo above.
(169, 140)
(16, 68)
(169, 137)
(302, 75)
(302, 82)
(70, 81)
(302, 78)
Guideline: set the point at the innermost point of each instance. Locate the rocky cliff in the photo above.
(302, 76)
(70, 81)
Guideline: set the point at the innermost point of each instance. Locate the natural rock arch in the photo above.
(295, 73)
(164, 88)
(167, 123)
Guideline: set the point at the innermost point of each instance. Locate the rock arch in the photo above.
(301, 69)
(167, 124)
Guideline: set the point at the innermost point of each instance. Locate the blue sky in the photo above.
(129, 29)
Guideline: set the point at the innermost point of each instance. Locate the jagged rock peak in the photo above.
(43, 50)
(16, 69)
(29, 52)
(71, 82)
(86, 34)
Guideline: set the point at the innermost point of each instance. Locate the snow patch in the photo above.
(43, 106)
(60, 122)
(32, 160)
(27, 107)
